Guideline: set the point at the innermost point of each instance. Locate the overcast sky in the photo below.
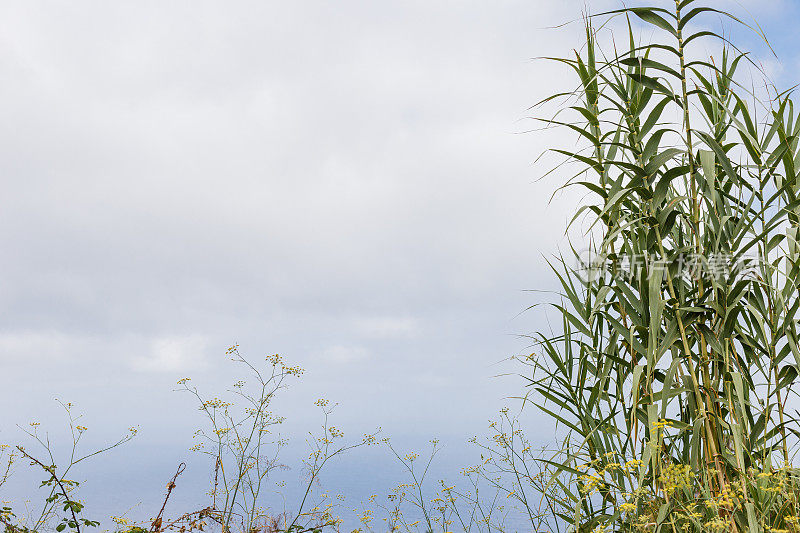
(345, 183)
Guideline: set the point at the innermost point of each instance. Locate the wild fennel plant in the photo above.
(242, 441)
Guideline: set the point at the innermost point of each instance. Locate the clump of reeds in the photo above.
(678, 347)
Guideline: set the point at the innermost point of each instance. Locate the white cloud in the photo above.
(387, 327)
(345, 354)
(173, 354)
(36, 346)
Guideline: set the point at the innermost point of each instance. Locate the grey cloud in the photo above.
(343, 183)
(340, 182)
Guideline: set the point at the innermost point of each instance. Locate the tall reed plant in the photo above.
(672, 373)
